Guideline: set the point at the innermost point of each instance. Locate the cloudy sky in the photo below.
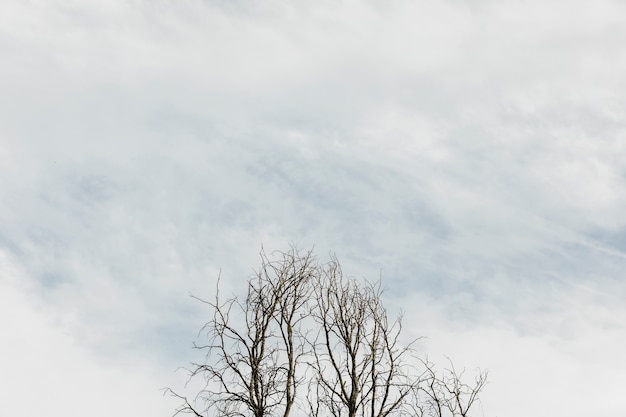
(473, 153)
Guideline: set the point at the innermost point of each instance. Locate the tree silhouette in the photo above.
(305, 323)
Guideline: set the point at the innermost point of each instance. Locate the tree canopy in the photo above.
(308, 340)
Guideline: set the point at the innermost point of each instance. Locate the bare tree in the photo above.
(305, 322)
(360, 367)
(445, 394)
(254, 345)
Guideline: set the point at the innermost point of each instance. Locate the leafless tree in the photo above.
(305, 322)
(359, 364)
(445, 394)
(254, 347)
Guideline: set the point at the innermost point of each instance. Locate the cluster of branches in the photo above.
(308, 338)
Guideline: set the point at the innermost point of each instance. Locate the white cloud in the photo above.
(558, 358)
(45, 369)
(473, 152)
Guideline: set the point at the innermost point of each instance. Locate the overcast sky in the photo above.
(472, 153)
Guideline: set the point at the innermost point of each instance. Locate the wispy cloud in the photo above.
(473, 153)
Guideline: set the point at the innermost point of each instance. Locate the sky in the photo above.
(470, 153)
